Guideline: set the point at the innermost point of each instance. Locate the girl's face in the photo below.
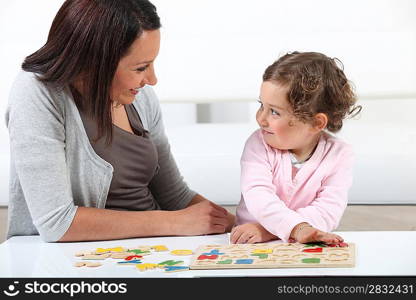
(280, 128)
(135, 70)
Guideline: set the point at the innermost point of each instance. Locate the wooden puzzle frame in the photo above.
(273, 255)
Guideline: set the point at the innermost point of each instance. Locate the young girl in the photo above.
(295, 175)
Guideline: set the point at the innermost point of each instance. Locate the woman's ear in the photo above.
(320, 122)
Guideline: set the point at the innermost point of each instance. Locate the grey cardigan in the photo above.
(53, 167)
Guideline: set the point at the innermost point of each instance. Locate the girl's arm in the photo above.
(326, 210)
(259, 192)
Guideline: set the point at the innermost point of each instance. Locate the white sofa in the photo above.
(208, 155)
(384, 141)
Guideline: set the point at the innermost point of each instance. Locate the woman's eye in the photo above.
(142, 69)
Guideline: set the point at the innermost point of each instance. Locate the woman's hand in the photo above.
(304, 233)
(250, 233)
(203, 217)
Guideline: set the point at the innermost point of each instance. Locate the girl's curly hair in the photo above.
(317, 84)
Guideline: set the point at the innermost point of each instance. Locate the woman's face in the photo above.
(136, 68)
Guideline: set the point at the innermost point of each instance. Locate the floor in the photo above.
(356, 218)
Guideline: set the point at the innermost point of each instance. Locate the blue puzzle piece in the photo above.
(130, 262)
(175, 268)
(244, 261)
(213, 252)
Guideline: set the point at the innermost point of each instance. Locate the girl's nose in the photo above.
(262, 118)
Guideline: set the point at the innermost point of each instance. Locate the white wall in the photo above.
(215, 51)
(218, 49)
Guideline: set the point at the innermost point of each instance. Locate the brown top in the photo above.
(134, 159)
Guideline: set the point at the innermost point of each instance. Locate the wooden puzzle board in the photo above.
(273, 255)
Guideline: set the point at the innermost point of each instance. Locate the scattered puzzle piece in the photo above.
(147, 266)
(120, 255)
(130, 262)
(143, 248)
(132, 256)
(171, 269)
(87, 264)
(112, 250)
(170, 263)
(82, 253)
(160, 248)
(139, 251)
(96, 256)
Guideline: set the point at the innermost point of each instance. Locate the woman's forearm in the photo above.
(105, 224)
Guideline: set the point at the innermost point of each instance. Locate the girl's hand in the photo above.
(250, 233)
(310, 234)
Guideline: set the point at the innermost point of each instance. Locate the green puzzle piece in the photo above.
(260, 255)
(225, 262)
(171, 262)
(137, 251)
(318, 244)
(311, 260)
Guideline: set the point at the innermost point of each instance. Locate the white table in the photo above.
(379, 253)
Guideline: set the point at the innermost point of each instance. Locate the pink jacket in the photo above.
(318, 194)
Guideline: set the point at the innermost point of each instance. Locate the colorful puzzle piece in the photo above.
(147, 266)
(213, 252)
(201, 257)
(87, 264)
(106, 250)
(181, 252)
(244, 261)
(96, 256)
(260, 255)
(313, 250)
(120, 255)
(170, 269)
(160, 248)
(170, 263)
(132, 257)
(262, 251)
(139, 251)
(130, 262)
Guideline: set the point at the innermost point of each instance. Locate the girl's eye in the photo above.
(276, 113)
(261, 104)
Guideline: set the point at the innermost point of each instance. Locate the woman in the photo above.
(89, 156)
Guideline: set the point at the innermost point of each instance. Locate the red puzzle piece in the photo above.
(314, 250)
(132, 257)
(201, 257)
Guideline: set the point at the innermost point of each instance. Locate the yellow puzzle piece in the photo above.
(262, 251)
(181, 252)
(160, 248)
(106, 250)
(147, 266)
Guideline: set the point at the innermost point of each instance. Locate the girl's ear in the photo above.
(320, 122)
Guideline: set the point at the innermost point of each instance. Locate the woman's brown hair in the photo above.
(86, 41)
(317, 84)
